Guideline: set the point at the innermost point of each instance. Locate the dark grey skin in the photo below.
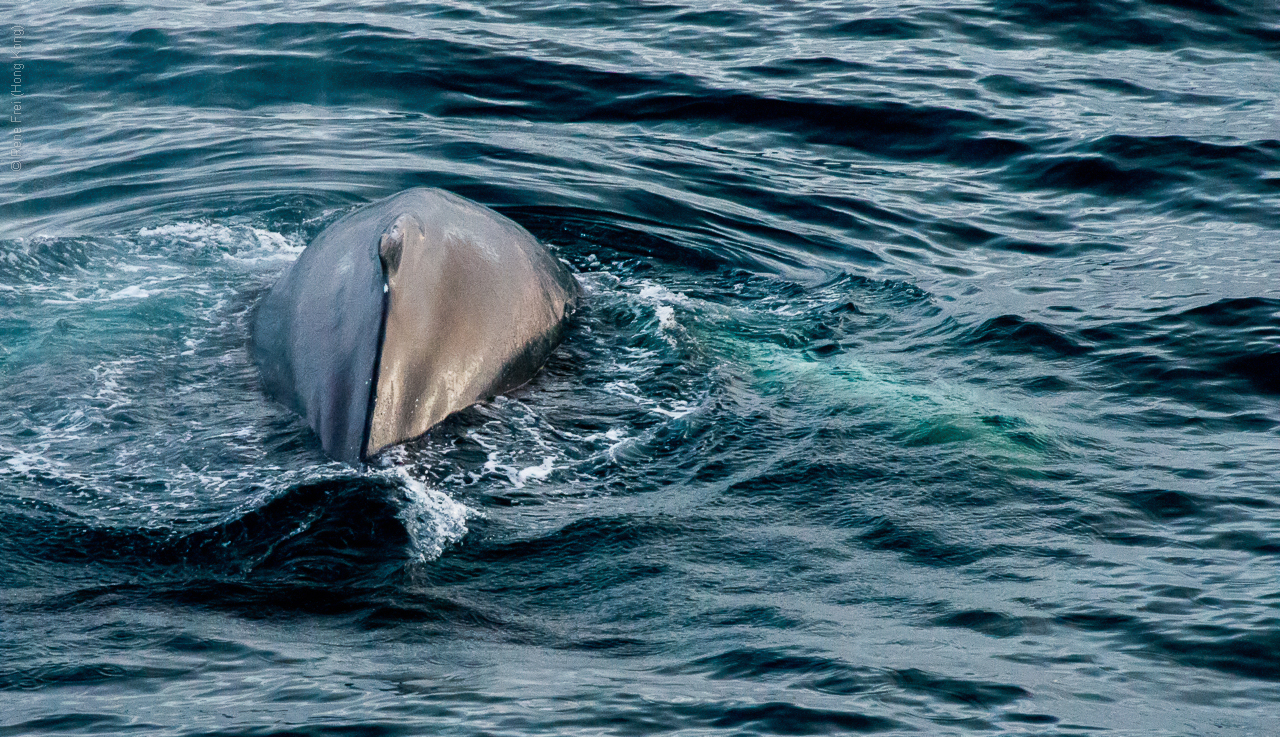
(404, 312)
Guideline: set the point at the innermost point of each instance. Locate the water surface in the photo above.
(927, 380)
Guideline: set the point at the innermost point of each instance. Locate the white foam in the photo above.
(433, 519)
(661, 300)
(131, 292)
(538, 472)
(492, 466)
(23, 463)
(666, 316)
(616, 438)
(243, 244)
(676, 408)
(107, 377)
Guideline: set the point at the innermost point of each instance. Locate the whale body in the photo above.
(405, 311)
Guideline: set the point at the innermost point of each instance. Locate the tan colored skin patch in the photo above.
(468, 293)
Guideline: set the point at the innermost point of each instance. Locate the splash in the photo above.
(662, 300)
(433, 519)
(245, 245)
(538, 472)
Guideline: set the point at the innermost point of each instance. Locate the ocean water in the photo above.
(926, 382)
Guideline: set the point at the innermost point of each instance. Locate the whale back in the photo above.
(404, 312)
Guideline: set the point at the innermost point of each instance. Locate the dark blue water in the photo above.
(927, 380)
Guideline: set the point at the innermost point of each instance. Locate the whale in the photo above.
(405, 311)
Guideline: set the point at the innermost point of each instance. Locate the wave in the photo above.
(1219, 356)
(335, 538)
